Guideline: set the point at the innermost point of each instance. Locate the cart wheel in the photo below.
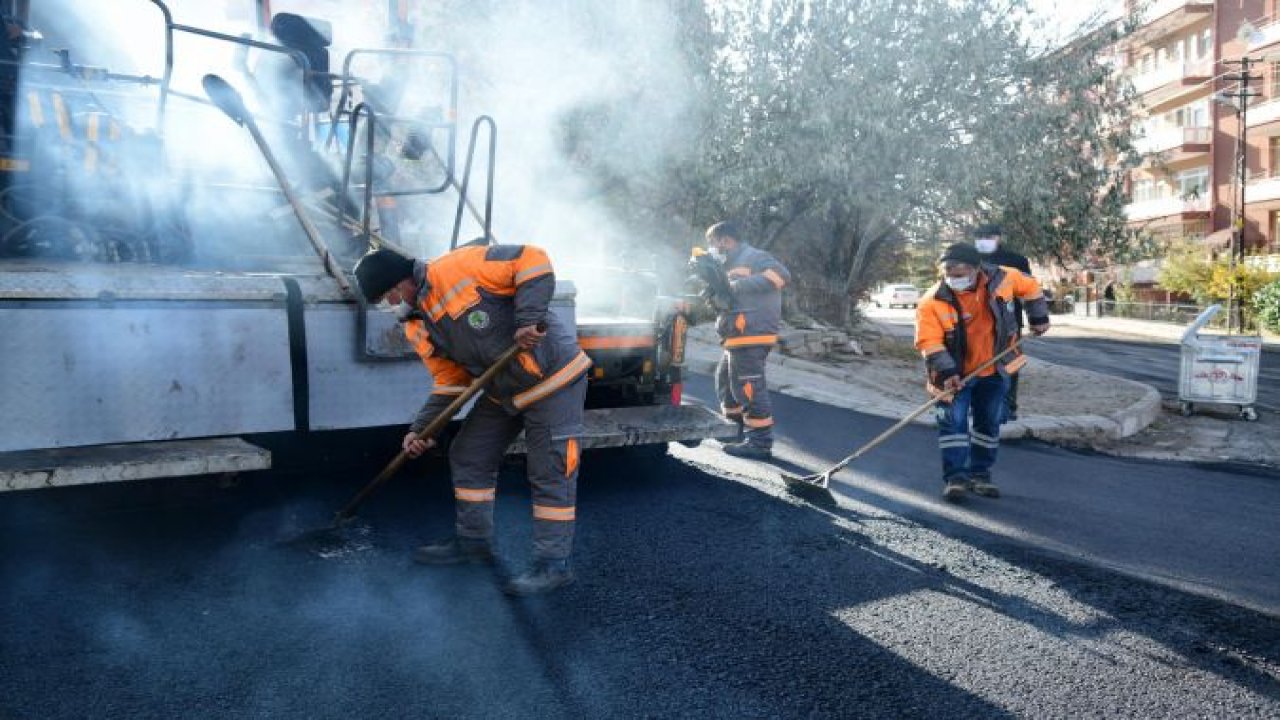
(1186, 408)
(1249, 414)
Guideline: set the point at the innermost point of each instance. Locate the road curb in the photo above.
(794, 378)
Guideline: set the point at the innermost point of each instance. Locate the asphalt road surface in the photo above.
(705, 591)
(1152, 361)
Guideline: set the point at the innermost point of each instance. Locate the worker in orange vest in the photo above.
(748, 329)
(961, 322)
(461, 312)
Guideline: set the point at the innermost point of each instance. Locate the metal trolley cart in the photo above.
(1218, 369)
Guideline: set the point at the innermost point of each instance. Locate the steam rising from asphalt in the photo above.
(530, 65)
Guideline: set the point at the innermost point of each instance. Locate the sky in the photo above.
(1055, 20)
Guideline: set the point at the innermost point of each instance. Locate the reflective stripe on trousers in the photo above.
(552, 430)
(740, 383)
(967, 452)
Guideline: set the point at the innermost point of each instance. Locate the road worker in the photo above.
(461, 312)
(963, 321)
(748, 330)
(989, 240)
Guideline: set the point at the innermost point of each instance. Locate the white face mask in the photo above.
(959, 284)
(986, 246)
(716, 254)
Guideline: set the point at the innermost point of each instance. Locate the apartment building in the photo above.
(1187, 186)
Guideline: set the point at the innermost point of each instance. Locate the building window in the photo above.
(1198, 115)
(1273, 156)
(1206, 43)
(1144, 190)
(1273, 242)
(1192, 184)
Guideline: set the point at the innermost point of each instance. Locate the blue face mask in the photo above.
(959, 284)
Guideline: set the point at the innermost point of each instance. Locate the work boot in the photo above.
(455, 551)
(749, 451)
(545, 576)
(982, 485)
(954, 489)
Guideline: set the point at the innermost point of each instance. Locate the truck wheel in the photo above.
(1249, 414)
(1186, 408)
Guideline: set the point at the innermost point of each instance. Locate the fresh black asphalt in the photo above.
(705, 591)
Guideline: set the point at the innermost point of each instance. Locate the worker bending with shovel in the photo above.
(462, 312)
(963, 322)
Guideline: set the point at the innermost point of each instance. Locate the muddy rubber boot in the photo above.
(455, 551)
(545, 576)
(953, 491)
(982, 485)
(748, 451)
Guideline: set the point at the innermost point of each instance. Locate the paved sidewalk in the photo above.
(1140, 328)
(1060, 404)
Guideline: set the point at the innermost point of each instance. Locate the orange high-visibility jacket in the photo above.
(470, 303)
(946, 338)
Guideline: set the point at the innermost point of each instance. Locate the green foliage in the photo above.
(834, 130)
(1124, 289)
(1188, 269)
(1266, 305)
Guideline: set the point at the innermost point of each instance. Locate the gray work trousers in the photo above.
(552, 428)
(744, 394)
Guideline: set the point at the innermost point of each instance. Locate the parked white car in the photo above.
(891, 295)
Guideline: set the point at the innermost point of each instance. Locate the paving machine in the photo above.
(166, 305)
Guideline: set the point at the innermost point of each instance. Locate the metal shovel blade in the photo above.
(225, 98)
(813, 488)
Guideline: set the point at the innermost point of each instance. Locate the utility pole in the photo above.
(1241, 102)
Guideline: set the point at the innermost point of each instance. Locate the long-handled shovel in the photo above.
(435, 426)
(325, 540)
(817, 486)
(229, 102)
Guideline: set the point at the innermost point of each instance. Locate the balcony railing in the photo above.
(1263, 113)
(1268, 34)
(1171, 138)
(1172, 72)
(1164, 207)
(1158, 9)
(1262, 189)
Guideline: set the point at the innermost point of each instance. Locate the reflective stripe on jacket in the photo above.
(469, 305)
(756, 279)
(940, 333)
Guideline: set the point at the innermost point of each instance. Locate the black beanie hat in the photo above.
(988, 230)
(961, 252)
(379, 271)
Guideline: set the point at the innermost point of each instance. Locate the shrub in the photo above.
(1266, 304)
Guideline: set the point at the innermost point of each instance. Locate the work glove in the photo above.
(709, 277)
